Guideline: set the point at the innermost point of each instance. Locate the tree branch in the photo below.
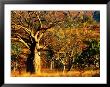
(20, 39)
(39, 19)
(17, 27)
(24, 43)
(26, 29)
(40, 36)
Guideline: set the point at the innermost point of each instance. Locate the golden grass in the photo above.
(75, 73)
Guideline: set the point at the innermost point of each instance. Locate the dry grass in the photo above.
(87, 73)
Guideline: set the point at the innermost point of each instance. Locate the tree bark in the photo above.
(52, 65)
(30, 60)
(64, 68)
(30, 65)
(37, 60)
(34, 60)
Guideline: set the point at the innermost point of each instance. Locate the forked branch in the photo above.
(19, 38)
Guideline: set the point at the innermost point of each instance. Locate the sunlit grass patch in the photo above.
(88, 73)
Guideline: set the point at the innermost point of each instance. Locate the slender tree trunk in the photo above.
(15, 67)
(64, 68)
(70, 64)
(52, 65)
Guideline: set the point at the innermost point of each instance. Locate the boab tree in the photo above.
(28, 27)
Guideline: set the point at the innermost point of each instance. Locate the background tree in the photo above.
(88, 55)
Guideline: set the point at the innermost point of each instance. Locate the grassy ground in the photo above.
(75, 73)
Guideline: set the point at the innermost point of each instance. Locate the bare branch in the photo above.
(17, 27)
(28, 30)
(36, 35)
(32, 33)
(20, 40)
(39, 19)
(24, 43)
(15, 39)
(40, 36)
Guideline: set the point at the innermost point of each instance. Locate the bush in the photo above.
(89, 56)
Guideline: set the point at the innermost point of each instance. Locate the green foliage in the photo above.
(89, 55)
(49, 53)
(96, 16)
(16, 47)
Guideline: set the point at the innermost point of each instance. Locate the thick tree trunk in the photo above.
(30, 60)
(34, 60)
(37, 60)
(30, 65)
